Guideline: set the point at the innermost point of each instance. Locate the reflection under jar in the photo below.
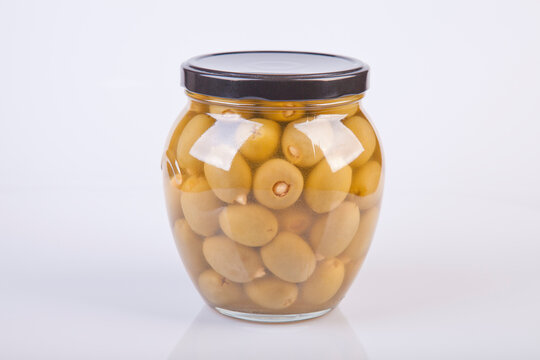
(212, 337)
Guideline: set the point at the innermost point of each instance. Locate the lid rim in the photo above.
(268, 85)
(237, 75)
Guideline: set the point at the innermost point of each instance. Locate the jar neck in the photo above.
(248, 104)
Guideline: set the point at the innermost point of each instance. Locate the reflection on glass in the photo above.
(216, 146)
(338, 143)
(212, 336)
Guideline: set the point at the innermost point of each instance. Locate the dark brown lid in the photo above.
(275, 75)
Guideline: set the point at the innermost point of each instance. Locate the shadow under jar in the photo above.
(273, 180)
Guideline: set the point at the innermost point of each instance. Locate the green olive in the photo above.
(263, 141)
(200, 206)
(171, 153)
(176, 181)
(361, 127)
(298, 148)
(289, 257)
(368, 201)
(324, 283)
(277, 184)
(233, 185)
(377, 154)
(250, 225)
(230, 110)
(217, 289)
(367, 185)
(348, 109)
(189, 246)
(198, 106)
(333, 232)
(296, 219)
(287, 111)
(271, 293)
(365, 179)
(351, 270)
(325, 189)
(236, 262)
(361, 240)
(173, 196)
(191, 133)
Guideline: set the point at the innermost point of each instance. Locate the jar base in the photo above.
(272, 318)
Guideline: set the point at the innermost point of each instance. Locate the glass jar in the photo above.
(273, 179)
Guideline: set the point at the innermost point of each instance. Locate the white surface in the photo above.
(88, 91)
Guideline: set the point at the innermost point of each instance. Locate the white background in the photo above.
(89, 90)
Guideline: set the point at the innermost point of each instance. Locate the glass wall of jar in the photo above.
(273, 203)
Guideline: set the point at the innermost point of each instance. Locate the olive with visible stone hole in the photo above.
(277, 184)
(298, 148)
(287, 111)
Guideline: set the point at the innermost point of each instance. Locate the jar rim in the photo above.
(275, 105)
(275, 75)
